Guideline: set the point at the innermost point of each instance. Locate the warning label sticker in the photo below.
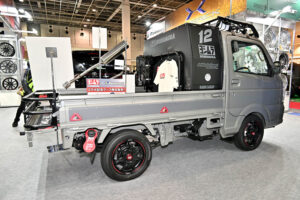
(207, 51)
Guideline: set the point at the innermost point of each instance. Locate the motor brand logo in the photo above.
(199, 9)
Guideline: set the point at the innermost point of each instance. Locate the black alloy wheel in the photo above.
(250, 134)
(10, 84)
(126, 155)
(8, 67)
(7, 50)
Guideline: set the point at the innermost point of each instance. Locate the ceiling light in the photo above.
(154, 5)
(21, 0)
(85, 25)
(139, 16)
(88, 20)
(94, 10)
(21, 10)
(148, 23)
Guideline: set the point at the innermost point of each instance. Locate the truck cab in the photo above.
(252, 85)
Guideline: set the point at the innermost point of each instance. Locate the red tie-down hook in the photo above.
(90, 137)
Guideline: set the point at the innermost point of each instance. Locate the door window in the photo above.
(249, 58)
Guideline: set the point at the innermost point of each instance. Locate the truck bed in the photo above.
(112, 110)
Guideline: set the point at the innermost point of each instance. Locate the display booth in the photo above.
(10, 66)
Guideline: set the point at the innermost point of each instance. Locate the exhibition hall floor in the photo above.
(187, 169)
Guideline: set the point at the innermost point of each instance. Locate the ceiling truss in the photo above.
(105, 13)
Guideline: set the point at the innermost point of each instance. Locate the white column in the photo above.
(126, 32)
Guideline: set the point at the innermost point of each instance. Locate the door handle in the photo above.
(235, 81)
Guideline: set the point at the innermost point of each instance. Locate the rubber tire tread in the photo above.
(109, 145)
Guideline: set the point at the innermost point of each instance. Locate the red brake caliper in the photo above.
(89, 145)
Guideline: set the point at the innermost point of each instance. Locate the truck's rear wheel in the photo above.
(126, 155)
(250, 134)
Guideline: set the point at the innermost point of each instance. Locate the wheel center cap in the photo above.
(129, 156)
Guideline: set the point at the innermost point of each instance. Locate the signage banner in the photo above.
(105, 86)
(200, 11)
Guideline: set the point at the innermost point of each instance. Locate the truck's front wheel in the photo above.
(250, 134)
(126, 155)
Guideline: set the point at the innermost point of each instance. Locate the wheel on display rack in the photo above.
(8, 67)
(126, 155)
(270, 39)
(250, 134)
(285, 39)
(10, 83)
(7, 50)
(283, 59)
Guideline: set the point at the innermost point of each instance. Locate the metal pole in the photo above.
(52, 73)
(291, 70)
(273, 21)
(278, 38)
(230, 9)
(54, 97)
(125, 65)
(100, 65)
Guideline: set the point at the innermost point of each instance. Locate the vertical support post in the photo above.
(125, 67)
(51, 52)
(292, 63)
(100, 65)
(54, 97)
(230, 16)
(52, 74)
(263, 35)
(278, 38)
(126, 28)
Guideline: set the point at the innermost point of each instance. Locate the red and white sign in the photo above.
(93, 81)
(105, 86)
(164, 110)
(75, 117)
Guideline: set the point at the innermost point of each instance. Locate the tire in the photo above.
(126, 155)
(250, 134)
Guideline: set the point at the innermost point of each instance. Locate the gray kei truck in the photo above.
(228, 86)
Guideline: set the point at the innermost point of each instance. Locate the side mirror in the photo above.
(277, 67)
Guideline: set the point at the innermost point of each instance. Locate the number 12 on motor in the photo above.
(205, 36)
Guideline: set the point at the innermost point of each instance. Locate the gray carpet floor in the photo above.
(187, 169)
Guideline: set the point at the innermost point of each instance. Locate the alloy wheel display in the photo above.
(8, 67)
(10, 83)
(6, 49)
(270, 39)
